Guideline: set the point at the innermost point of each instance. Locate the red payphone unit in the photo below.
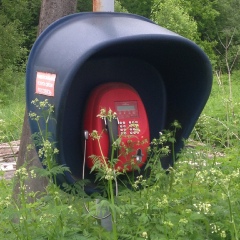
(130, 125)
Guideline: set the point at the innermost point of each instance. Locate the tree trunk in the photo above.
(51, 10)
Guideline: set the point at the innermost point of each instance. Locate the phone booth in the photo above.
(147, 74)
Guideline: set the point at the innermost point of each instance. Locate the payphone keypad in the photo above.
(127, 112)
(129, 127)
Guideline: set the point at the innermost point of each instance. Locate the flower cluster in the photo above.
(168, 223)
(183, 221)
(109, 173)
(163, 202)
(217, 229)
(33, 116)
(46, 108)
(43, 104)
(145, 235)
(94, 135)
(140, 182)
(203, 207)
(47, 150)
(21, 172)
(110, 114)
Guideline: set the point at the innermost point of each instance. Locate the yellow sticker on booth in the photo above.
(45, 83)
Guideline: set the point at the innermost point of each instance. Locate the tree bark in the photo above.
(51, 10)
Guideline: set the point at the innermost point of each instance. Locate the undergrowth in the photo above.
(198, 198)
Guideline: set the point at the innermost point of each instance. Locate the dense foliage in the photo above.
(171, 15)
(142, 8)
(18, 31)
(207, 22)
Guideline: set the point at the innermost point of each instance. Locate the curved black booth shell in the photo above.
(172, 75)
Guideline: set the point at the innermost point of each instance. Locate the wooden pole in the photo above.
(103, 5)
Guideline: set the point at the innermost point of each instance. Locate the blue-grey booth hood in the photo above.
(172, 75)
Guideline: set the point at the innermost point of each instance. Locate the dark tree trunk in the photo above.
(51, 10)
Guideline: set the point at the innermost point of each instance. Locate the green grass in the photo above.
(12, 111)
(219, 122)
(219, 104)
(11, 118)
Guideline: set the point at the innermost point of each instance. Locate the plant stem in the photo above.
(113, 212)
(235, 237)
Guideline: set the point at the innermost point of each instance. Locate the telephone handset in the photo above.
(125, 101)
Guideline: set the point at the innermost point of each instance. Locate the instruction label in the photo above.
(45, 83)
